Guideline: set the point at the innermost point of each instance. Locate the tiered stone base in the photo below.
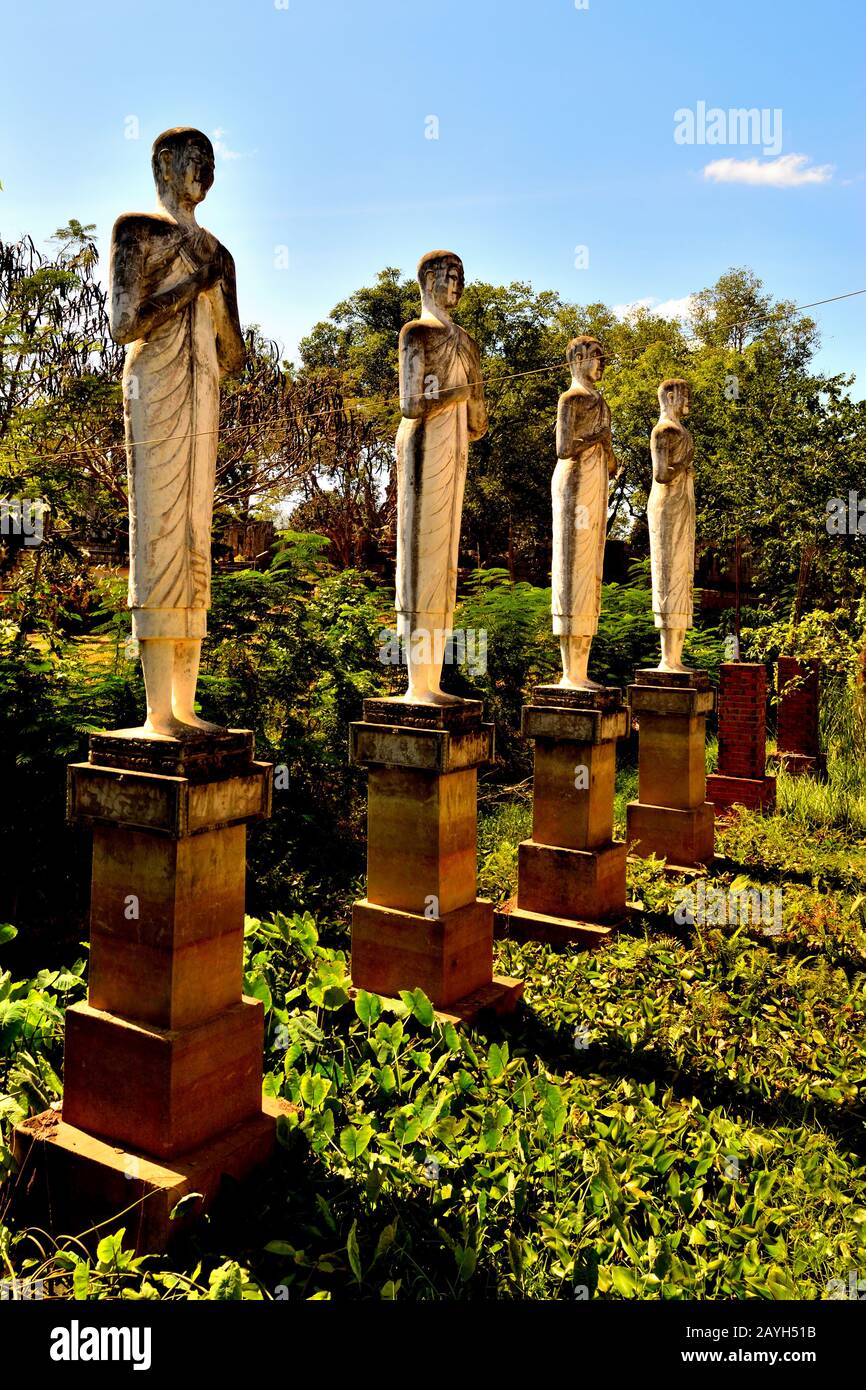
(421, 924)
(163, 1064)
(686, 839)
(672, 818)
(571, 874)
(522, 925)
(73, 1181)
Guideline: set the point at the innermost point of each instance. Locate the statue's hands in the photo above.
(210, 272)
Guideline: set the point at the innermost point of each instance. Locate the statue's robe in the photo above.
(432, 455)
(671, 519)
(171, 416)
(580, 492)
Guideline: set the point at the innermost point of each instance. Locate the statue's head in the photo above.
(675, 396)
(585, 357)
(440, 275)
(183, 161)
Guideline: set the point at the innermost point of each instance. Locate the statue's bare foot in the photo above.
(169, 727)
(429, 697)
(672, 670)
(585, 684)
(188, 721)
(440, 697)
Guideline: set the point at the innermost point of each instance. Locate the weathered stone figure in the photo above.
(174, 304)
(580, 490)
(442, 402)
(671, 517)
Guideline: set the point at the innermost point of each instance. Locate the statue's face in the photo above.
(590, 363)
(446, 285)
(190, 171)
(595, 363)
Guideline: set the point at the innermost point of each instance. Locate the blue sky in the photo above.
(556, 130)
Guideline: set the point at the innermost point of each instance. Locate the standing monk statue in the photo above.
(442, 402)
(580, 487)
(174, 305)
(671, 517)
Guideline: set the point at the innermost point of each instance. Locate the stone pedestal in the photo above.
(163, 1064)
(798, 747)
(741, 778)
(421, 923)
(672, 818)
(571, 874)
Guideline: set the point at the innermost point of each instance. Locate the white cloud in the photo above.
(220, 148)
(622, 311)
(788, 171)
(674, 308)
(660, 309)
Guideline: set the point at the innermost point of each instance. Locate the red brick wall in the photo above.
(798, 707)
(742, 719)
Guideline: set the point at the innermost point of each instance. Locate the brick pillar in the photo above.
(741, 778)
(798, 742)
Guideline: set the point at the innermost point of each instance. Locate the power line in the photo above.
(832, 300)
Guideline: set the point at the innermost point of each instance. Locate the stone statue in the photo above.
(580, 489)
(671, 517)
(442, 402)
(174, 305)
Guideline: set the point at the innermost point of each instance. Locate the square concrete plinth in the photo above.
(572, 793)
(575, 734)
(166, 924)
(584, 885)
(520, 924)
(670, 709)
(169, 869)
(75, 1181)
(684, 838)
(672, 761)
(162, 1091)
(421, 839)
(448, 957)
(421, 924)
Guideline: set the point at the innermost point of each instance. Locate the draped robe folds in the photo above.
(171, 415)
(580, 492)
(432, 455)
(671, 518)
